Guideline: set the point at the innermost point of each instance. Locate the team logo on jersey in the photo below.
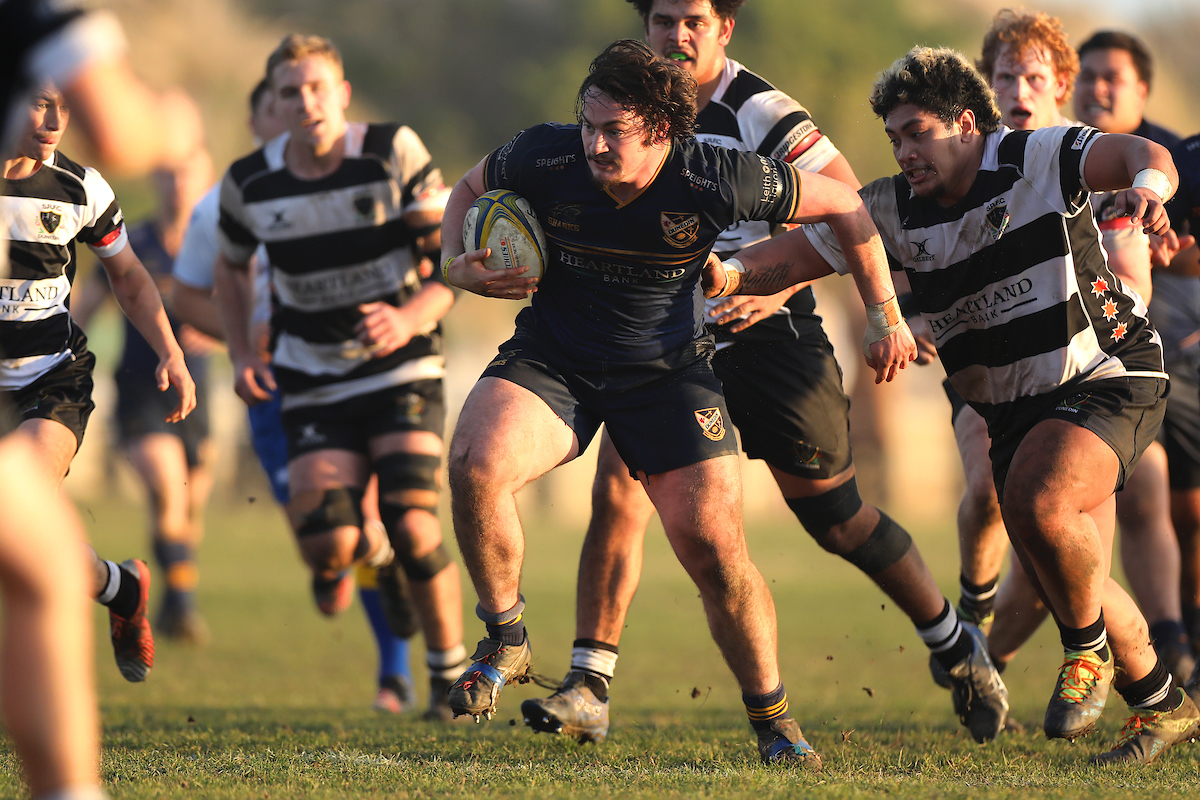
(922, 253)
(278, 222)
(1099, 287)
(565, 216)
(680, 229)
(996, 217)
(364, 207)
(1120, 331)
(50, 219)
(1109, 309)
(711, 423)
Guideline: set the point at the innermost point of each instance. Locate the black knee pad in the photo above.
(820, 513)
(427, 566)
(406, 480)
(338, 507)
(886, 545)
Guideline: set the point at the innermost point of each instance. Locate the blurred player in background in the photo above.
(192, 299)
(46, 689)
(172, 460)
(784, 392)
(347, 212)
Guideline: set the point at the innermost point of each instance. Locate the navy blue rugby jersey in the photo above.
(1175, 310)
(623, 280)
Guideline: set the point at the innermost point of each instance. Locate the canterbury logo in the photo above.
(711, 423)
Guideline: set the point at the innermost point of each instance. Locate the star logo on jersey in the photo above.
(1119, 332)
(996, 218)
(679, 229)
(1110, 309)
(711, 423)
(50, 218)
(1099, 287)
(922, 253)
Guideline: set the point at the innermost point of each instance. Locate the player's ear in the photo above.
(726, 31)
(345, 101)
(966, 123)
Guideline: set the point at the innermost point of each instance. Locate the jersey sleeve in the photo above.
(1053, 162)
(103, 230)
(421, 182)
(779, 127)
(878, 196)
(762, 188)
(1184, 206)
(194, 264)
(501, 169)
(236, 239)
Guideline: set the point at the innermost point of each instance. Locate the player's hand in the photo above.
(741, 311)
(172, 371)
(923, 334)
(384, 329)
(1143, 207)
(1165, 247)
(712, 276)
(253, 381)
(468, 272)
(892, 353)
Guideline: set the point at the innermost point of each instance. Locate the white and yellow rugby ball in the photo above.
(504, 221)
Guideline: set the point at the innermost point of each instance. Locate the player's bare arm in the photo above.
(139, 299)
(252, 378)
(466, 270)
(1142, 169)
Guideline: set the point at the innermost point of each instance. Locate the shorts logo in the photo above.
(410, 407)
(501, 359)
(996, 218)
(1074, 403)
(309, 435)
(808, 455)
(679, 229)
(50, 218)
(711, 423)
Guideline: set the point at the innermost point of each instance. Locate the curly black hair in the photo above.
(724, 9)
(1143, 64)
(939, 80)
(660, 92)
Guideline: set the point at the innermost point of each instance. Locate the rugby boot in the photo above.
(984, 623)
(1148, 733)
(333, 595)
(979, 694)
(396, 601)
(439, 701)
(395, 695)
(495, 664)
(573, 710)
(783, 743)
(132, 639)
(1080, 694)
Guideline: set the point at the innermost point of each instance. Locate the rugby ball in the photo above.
(505, 222)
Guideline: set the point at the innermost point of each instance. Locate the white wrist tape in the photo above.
(734, 270)
(883, 319)
(1155, 180)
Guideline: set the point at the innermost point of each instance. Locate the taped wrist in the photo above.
(734, 270)
(1155, 180)
(883, 319)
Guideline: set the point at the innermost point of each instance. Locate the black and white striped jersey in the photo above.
(334, 243)
(47, 213)
(1013, 280)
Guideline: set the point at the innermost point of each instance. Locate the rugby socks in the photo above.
(393, 651)
(1169, 636)
(1094, 637)
(447, 665)
(121, 593)
(593, 662)
(946, 638)
(1153, 691)
(763, 709)
(177, 561)
(977, 600)
(507, 627)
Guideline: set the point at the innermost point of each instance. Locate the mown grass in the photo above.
(277, 705)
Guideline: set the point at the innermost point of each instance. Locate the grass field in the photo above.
(277, 705)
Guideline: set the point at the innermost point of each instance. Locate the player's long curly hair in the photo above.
(725, 9)
(660, 92)
(1025, 32)
(939, 80)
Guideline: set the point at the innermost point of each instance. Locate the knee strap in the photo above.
(338, 507)
(406, 481)
(820, 513)
(886, 545)
(425, 567)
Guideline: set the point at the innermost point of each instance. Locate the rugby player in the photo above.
(993, 230)
(346, 212)
(784, 392)
(615, 335)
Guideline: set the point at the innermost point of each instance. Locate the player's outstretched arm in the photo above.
(1142, 169)
(138, 297)
(465, 269)
(252, 378)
